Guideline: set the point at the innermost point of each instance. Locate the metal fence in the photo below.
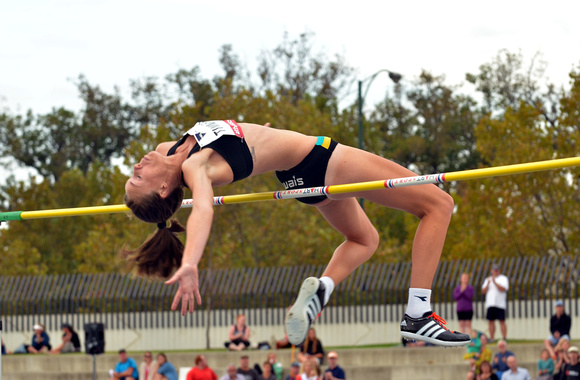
(373, 293)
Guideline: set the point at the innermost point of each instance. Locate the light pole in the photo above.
(395, 77)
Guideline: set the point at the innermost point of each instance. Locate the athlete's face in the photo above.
(148, 175)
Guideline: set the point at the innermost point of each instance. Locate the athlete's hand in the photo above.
(188, 280)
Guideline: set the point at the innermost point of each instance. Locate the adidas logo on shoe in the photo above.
(431, 328)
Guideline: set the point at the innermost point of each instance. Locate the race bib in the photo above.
(206, 132)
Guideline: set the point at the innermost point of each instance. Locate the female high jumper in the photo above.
(216, 153)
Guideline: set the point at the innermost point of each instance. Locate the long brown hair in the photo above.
(161, 253)
(307, 341)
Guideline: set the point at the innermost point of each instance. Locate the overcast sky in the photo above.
(45, 43)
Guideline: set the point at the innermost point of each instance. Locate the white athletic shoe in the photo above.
(306, 308)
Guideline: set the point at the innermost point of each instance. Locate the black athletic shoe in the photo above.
(306, 308)
(431, 328)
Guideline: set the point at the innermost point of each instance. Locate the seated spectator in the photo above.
(484, 354)
(166, 370)
(499, 364)
(126, 368)
(239, 335)
(485, 372)
(70, 341)
(334, 371)
(294, 372)
(560, 324)
(232, 374)
(201, 371)
(311, 348)
(571, 370)
(4, 350)
(561, 351)
(545, 366)
(40, 341)
(267, 373)
(245, 369)
(277, 367)
(309, 370)
(514, 372)
(148, 366)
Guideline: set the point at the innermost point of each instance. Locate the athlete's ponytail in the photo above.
(161, 253)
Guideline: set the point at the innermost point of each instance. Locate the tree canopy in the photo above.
(80, 158)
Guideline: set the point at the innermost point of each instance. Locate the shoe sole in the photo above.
(437, 342)
(297, 319)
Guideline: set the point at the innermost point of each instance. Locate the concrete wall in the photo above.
(331, 334)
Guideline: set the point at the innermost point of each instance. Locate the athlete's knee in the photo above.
(371, 240)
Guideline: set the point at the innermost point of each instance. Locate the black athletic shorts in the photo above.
(465, 315)
(495, 313)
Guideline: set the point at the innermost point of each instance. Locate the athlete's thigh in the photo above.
(350, 165)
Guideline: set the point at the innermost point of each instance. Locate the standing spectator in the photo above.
(277, 367)
(239, 335)
(463, 294)
(334, 371)
(545, 366)
(165, 370)
(70, 340)
(294, 372)
(201, 371)
(245, 370)
(232, 374)
(571, 371)
(126, 368)
(495, 288)
(312, 348)
(500, 359)
(40, 341)
(514, 372)
(267, 373)
(560, 324)
(148, 366)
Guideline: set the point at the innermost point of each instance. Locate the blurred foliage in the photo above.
(81, 159)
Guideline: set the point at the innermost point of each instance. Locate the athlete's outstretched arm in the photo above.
(198, 229)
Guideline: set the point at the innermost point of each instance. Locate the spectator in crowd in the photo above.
(545, 366)
(311, 349)
(165, 370)
(4, 350)
(277, 367)
(201, 371)
(232, 374)
(474, 347)
(239, 335)
(560, 324)
(40, 341)
(561, 350)
(309, 370)
(463, 294)
(334, 371)
(484, 355)
(571, 370)
(485, 372)
(495, 288)
(245, 369)
(294, 372)
(267, 373)
(70, 340)
(500, 358)
(514, 372)
(148, 366)
(126, 368)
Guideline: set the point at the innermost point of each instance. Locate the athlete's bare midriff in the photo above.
(276, 149)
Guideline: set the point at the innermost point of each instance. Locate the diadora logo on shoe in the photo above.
(294, 182)
(403, 323)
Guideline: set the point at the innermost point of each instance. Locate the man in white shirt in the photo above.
(495, 288)
(515, 372)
